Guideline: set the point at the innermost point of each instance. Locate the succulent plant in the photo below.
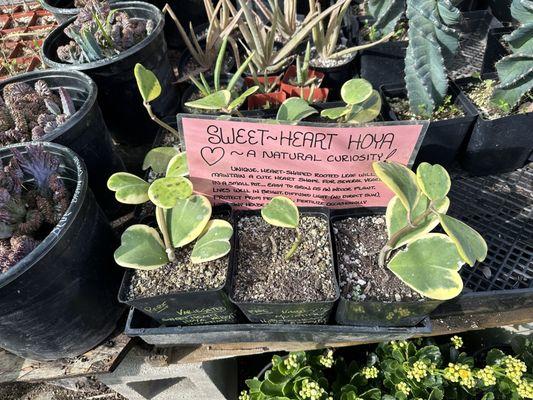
(28, 113)
(182, 217)
(285, 15)
(302, 70)
(99, 32)
(294, 109)
(363, 103)
(386, 14)
(32, 197)
(515, 71)
(427, 262)
(281, 211)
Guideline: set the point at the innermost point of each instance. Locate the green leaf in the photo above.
(178, 166)
(334, 113)
(294, 109)
(367, 111)
(253, 384)
(165, 192)
(281, 211)
(188, 219)
(239, 100)
(401, 180)
(396, 217)
(433, 180)
(130, 189)
(430, 266)
(493, 356)
(356, 91)
(147, 83)
(141, 248)
(214, 101)
(470, 244)
(488, 396)
(436, 394)
(158, 159)
(213, 243)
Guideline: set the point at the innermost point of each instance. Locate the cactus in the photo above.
(28, 205)
(427, 262)
(386, 14)
(29, 113)
(99, 32)
(515, 71)
(181, 216)
(432, 44)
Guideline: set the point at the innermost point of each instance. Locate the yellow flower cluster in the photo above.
(370, 372)
(457, 342)
(244, 395)
(487, 376)
(327, 359)
(460, 373)
(399, 344)
(291, 362)
(404, 388)
(311, 390)
(418, 371)
(514, 368)
(525, 389)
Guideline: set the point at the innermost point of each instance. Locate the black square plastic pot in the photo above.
(118, 96)
(444, 139)
(376, 313)
(472, 5)
(497, 145)
(202, 307)
(317, 312)
(495, 50)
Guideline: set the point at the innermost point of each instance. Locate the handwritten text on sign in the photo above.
(247, 163)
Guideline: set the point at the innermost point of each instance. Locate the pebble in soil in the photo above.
(180, 276)
(359, 241)
(263, 274)
(448, 110)
(318, 62)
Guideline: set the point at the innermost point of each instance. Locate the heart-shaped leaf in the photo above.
(213, 243)
(158, 159)
(366, 111)
(294, 109)
(433, 180)
(147, 83)
(356, 91)
(239, 100)
(165, 192)
(281, 211)
(178, 166)
(141, 248)
(430, 266)
(334, 113)
(396, 217)
(470, 244)
(401, 180)
(130, 189)
(187, 219)
(214, 101)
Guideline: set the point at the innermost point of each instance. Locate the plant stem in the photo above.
(162, 223)
(295, 245)
(158, 121)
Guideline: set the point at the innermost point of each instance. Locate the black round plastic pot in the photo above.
(498, 145)
(444, 139)
(85, 132)
(495, 50)
(60, 300)
(62, 10)
(472, 5)
(118, 95)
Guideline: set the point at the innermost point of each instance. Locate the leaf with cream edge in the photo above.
(214, 101)
(147, 83)
(396, 217)
(165, 192)
(356, 91)
(433, 180)
(130, 189)
(402, 181)
(213, 243)
(436, 255)
(141, 248)
(158, 159)
(281, 211)
(187, 219)
(294, 109)
(241, 98)
(470, 244)
(178, 166)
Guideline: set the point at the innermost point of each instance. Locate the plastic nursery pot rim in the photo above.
(66, 220)
(83, 79)
(64, 11)
(126, 5)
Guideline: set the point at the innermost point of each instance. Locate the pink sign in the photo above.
(245, 163)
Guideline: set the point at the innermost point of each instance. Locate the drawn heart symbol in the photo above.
(212, 155)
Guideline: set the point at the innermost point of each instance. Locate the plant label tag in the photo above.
(246, 162)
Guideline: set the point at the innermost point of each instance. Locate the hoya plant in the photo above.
(427, 262)
(281, 211)
(363, 103)
(294, 109)
(181, 216)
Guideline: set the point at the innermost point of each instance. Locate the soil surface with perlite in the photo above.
(359, 241)
(263, 274)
